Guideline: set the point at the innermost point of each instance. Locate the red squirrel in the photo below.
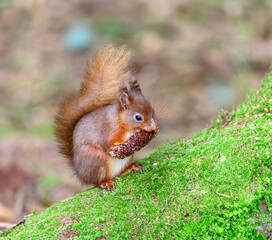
(107, 110)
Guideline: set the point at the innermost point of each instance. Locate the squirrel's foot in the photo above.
(134, 167)
(107, 185)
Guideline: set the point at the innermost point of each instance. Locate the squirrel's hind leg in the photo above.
(91, 165)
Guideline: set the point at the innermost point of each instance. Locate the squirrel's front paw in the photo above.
(107, 185)
(136, 142)
(113, 152)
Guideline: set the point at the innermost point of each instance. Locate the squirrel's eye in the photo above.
(138, 118)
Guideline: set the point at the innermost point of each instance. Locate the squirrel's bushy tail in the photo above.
(108, 72)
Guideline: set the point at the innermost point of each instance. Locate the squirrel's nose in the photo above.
(152, 127)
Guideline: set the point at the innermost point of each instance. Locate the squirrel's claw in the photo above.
(134, 167)
(112, 153)
(107, 185)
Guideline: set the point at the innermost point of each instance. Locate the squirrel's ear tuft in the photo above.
(134, 85)
(124, 100)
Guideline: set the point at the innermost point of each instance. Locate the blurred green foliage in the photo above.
(178, 46)
(44, 130)
(5, 4)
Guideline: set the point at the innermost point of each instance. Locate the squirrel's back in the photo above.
(107, 73)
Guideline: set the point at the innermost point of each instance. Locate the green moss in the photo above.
(208, 187)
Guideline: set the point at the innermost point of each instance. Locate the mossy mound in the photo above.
(214, 186)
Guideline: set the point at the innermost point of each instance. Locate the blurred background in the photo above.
(192, 59)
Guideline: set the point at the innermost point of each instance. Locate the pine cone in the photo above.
(135, 143)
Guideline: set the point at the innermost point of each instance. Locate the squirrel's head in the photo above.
(136, 111)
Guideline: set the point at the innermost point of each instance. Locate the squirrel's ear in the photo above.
(124, 100)
(134, 85)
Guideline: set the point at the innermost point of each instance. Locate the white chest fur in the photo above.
(118, 165)
(129, 134)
